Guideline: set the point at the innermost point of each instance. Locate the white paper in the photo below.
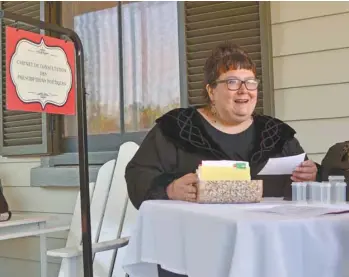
(282, 166)
(303, 211)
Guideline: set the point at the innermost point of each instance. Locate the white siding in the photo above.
(311, 65)
(21, 257)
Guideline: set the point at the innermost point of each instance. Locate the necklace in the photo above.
(211, 116)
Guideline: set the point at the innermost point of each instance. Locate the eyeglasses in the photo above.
(235, 84)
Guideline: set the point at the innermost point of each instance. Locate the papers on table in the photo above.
(305, 211)
(282, 166)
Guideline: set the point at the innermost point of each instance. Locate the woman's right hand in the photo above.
(183, 188)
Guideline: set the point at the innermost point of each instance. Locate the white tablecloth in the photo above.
(236, 241)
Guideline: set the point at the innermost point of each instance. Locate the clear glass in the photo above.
(151, 62)
(235, 84)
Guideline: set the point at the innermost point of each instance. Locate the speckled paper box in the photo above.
(230, 191)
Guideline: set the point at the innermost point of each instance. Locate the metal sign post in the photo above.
(82, 129)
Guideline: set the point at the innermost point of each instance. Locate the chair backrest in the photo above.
(109, 200)
(98, 196)
(114, 216)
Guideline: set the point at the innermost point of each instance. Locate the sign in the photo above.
(40, 73)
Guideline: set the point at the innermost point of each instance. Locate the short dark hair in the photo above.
(224, 57)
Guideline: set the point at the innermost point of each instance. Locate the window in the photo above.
(124, 100)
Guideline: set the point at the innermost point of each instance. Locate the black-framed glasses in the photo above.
(235, 84)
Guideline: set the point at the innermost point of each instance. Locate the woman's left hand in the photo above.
(305, 172)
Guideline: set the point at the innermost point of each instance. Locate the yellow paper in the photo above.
(214, 172)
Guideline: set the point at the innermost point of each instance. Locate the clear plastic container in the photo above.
(336, 178)
(325, 192)
(318, 191)
(338, 188)
(299, 191)
(303, 191)
(295, 186)
(340, 192)
(314, 192)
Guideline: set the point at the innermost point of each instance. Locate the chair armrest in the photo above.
(70, 252)
(36, 232)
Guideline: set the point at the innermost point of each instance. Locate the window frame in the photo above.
(267, 58)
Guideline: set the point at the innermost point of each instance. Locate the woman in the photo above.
(226, 128)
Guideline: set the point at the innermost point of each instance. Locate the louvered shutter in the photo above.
(210, 23)
(22, 133)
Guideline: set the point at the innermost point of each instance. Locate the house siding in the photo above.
(311, 62)
(21, 257)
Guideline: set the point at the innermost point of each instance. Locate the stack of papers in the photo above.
(224, 170)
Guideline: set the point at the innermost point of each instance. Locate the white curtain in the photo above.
(150, 52)
(150, 45)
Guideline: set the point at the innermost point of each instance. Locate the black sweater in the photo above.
(179, 141)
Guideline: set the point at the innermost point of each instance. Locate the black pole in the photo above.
(82, 129)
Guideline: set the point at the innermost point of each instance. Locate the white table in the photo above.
(24, 226)
(236, 240)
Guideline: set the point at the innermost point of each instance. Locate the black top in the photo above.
(235, 145)
(180, 140)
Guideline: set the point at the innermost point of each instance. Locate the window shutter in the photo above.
(210, 23)
(24, 133)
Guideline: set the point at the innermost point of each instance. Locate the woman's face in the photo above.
(233, 101)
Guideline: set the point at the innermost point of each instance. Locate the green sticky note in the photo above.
(241, 165)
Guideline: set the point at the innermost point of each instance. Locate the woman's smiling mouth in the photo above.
(241, 101)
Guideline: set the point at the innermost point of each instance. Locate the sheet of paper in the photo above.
(304, 211)
(282, 166)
